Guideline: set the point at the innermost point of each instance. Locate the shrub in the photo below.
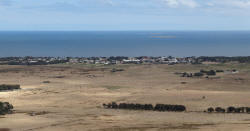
(199, 74)
(5, 108)
(9, 87)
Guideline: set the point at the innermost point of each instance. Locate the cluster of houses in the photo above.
(131, 60)
(94, 60)
(118, 60)
(32, 60)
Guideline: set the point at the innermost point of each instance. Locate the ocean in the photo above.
(124, 43)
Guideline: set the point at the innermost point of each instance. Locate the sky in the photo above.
(87, 15)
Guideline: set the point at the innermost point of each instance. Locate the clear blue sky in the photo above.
(124, 15)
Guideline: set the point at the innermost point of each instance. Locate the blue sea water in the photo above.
(125, 43)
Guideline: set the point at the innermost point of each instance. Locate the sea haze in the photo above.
(125, 43)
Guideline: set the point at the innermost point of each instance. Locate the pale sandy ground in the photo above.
(73, 100)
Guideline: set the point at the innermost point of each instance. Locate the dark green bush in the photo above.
(5, 108)
(9, 87)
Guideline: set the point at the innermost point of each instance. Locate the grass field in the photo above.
(73, 97)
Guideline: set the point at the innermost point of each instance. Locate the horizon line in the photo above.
(131, 56)
(114, 30)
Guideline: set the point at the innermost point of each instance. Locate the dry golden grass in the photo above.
(73, 97)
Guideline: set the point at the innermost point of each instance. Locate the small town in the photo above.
(29, 60)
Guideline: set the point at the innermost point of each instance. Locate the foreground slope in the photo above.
(70, 97)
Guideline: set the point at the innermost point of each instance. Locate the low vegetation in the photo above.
(117, 70)
(157, 107)
(110, 87)
(9, 87)
(230, 109)
(5, 108)
(203, 73)
(46, 82)
(172, 108)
